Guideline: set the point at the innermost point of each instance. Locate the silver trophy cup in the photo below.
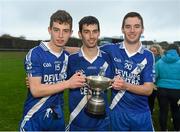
(96, 104)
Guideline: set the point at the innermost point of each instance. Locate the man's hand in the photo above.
(118, 83)
(155, 87)
(76, 81)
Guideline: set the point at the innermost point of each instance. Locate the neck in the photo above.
(132, 48)
(90, 53)
(55, 48)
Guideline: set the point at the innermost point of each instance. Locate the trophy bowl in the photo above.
(98, 82)
(96, 104)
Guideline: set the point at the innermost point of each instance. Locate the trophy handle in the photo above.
(86, 85)
(110, 83)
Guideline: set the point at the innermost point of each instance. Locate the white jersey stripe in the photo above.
(64, 68)
(33, 110)
(76, 111)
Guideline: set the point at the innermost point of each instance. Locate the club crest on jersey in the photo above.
(140, 67)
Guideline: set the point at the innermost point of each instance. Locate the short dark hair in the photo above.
(88, 20)
(132, 14)
(173, 46)
(61, 16)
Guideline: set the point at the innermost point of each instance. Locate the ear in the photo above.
(71, 32)
(49, 30)
(142, 31)
(122, 30)
(79, 33)
(98, 34)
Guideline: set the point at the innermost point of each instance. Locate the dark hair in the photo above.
(173, 46)
(61, 16)
(132, 14)
(88, 20)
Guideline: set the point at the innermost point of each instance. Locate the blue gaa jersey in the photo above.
(78, 98)
(135, 69)
(40, 62)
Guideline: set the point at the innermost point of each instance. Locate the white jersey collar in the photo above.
(140, 50)
(45, 47)
(82, 54)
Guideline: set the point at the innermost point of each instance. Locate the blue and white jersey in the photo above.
(78, 62)
(41, 62)
(135, 69)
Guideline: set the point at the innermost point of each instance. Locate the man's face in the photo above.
(132, 30)
(89, 35)
(60, 33)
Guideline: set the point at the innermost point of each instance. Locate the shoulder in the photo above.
(110, 45)
(34, 56)
(74, 56)
(33, 51)
(146, 52)
(38, 49)
(104, 54)
(106, 57)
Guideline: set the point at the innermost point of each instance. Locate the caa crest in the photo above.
(47, 65)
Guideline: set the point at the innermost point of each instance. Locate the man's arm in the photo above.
(145, 89)
(40, 90)
(71, 50)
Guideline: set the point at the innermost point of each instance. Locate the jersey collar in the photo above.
(81, 54)
(44, 46)
(140, 50)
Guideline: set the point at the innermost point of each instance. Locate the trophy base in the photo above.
(95, 115)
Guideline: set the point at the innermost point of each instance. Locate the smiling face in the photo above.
(89, 35)
(60, 33)
(132, 30)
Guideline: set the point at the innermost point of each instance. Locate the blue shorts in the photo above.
(131, 121)
(103, 126)
(48, 120)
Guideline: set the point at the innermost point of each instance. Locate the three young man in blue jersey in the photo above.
(132, 84)
(46, 67)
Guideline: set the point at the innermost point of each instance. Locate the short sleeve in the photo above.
(32, 63)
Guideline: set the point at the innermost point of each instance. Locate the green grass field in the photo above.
(13, 92)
